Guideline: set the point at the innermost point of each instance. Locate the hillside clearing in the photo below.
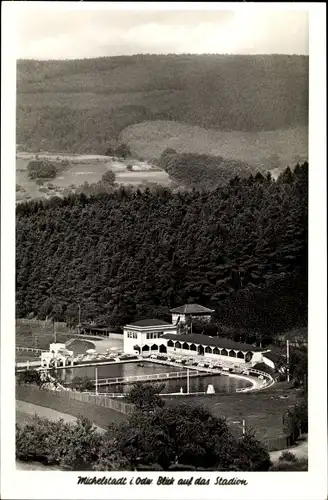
(265, 149)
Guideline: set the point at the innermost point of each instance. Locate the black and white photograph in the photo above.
(157, 302)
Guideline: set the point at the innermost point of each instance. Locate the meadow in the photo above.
(83, 169)
(266, 150)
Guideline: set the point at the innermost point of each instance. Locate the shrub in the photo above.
(72, 446)
(287, 456)
(299, 465)
(82, 384)
(108, 178)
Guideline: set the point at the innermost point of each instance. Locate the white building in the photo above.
(214, 348)
(146, 336)
(190, 312)
(56, 356)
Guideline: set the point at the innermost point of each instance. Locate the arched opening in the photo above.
(248, 357)
(145, 348)
(193, 347)
(216, 350)
(154, 347)
(178, 345)
(170, 343)
(224, 352)
(200, 350)
(240, 355)
(162, 348)
(136, 348)
(208, 349)
(232, 354)
(185, 346)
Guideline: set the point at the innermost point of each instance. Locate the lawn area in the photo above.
(98, 415)
(263, 411)
(39, 336)
(26, 356)
(79, 346)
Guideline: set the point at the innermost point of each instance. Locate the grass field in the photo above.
(263, 411)
(39, 337)
(265, 149)
(98, 415)
(85, 171)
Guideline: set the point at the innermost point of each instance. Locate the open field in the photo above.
(275, 149)
(39, 337)
(263, 411)
(98, 415)
(83, 168)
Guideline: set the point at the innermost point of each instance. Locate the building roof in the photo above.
(273, 356)
(192, 309)
(151, 322)
(213, 341)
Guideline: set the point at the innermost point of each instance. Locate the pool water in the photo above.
(221, 383)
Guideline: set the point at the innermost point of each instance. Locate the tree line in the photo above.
(128, 254)
(196, 170)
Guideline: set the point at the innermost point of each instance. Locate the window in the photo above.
(148, 335)
(135, 335)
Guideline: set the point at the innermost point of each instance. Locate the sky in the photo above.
(58, 31)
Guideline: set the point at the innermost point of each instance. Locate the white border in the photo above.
(297, 485)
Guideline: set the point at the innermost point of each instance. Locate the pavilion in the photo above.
(189, 312)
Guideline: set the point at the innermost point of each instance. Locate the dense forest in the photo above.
(79, 105)
(129, 254)
(208, 172)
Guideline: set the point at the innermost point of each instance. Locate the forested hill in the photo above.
(56, 99)
(241, 249)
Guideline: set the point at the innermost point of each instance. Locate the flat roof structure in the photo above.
(150, 322)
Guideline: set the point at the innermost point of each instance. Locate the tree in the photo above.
(83, 446)
(298, 365)
(82, 384)
(31, 377)
(184, 436)
(122, 150)
(296, 419)
(145, 397)
(110, 457)
(108, 178)
(41, 169)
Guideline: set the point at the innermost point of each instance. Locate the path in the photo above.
(300, 451)
(24, 409)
